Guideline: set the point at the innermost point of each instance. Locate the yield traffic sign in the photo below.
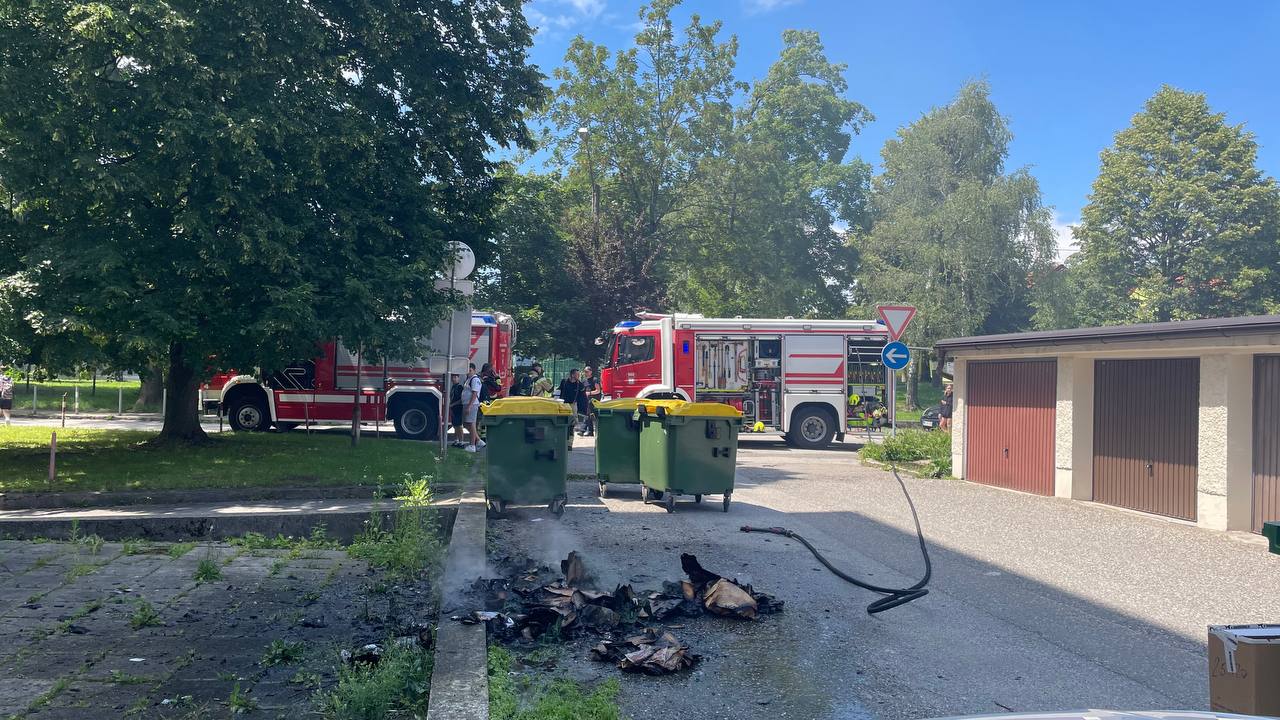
(896, 318)
(895, 355)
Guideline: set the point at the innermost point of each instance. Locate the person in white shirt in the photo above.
(471, 408)
(6, 394)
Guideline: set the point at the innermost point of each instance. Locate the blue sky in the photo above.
(1068, 75)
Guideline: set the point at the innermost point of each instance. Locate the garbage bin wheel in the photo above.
(496, 507)
(670, 503)
(557, 507)
(697, 498)
(604, 489)
(726, 503)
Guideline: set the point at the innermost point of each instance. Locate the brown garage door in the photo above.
(1009, 424)
(1266, 439)
(1145, 435)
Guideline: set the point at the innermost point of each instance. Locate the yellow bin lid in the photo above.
(618, 403)
(526, 406)
(695, 409)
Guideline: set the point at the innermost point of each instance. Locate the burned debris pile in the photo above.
(532, 602)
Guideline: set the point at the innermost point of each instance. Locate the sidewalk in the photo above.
(341, 518)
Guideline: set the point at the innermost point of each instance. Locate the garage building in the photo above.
(1178, 419)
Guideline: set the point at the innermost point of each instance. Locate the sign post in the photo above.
(895, 354)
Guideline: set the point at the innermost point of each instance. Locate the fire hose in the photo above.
(893, 596)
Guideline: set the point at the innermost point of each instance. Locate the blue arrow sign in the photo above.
(895, 355)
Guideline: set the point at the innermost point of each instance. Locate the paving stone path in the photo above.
(68, 648)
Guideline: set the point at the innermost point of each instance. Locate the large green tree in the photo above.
(225, 183)
(528, 270)
(685, 188)
(765, 214)
(955, 234)
(1181, 223)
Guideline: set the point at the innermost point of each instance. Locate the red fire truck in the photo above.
(792, 376)
(405, 392)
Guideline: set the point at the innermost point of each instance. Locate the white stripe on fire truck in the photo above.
(307, 397)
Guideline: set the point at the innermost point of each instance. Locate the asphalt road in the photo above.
(1035, 604)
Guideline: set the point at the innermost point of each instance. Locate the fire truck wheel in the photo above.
(248, 414)
(415, 421)
(811, 428)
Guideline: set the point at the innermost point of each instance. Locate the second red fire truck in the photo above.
(406, 393)
(792, 376)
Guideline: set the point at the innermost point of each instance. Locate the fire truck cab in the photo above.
(797, 377)
(405, 392)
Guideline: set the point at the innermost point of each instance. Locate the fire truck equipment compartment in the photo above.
(527, 453)
(687, 448)
(617, 442)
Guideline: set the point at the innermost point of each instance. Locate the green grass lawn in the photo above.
(105, 398)
(97, 460)
(929, 396)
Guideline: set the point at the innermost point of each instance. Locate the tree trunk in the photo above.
(937, 372)
(913, 385)
(925, 374)
(181, 415)
(152, 388)
(355, 403)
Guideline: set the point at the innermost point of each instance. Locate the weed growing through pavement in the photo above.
(397, 686)
(144, 615)
(177, 550)
(282, 652)
(240, 702)
(306, 679)
(318, 539)
(80, 570)
(208, 570)
(412, 545)
(120, 678)
(48, 695)
(228, 676)
(415, 492)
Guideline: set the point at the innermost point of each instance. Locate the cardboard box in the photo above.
(1244, 669)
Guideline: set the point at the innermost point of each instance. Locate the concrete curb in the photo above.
(460, 680)
(48, 500)
(342, 521)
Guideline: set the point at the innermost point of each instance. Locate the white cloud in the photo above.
(588, 8)
(1062, 233)
(764, 6)
(551, 17)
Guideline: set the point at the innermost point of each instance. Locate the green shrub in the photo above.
(411, 547)
(912, 446)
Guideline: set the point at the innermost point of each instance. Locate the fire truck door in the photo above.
(813, 363)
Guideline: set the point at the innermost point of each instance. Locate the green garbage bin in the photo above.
(617, 443)
(527, 453)
(687, 448)
(1271, 530)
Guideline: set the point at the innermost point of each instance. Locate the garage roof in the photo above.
(1249, 325)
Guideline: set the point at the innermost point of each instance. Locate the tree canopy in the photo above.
(225, 184)
(1181, 223)
(954, 233)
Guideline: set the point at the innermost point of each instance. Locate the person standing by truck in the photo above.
(455, 410)
(570, 393)
(590, 391)
(6, 394)
(471, 408)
